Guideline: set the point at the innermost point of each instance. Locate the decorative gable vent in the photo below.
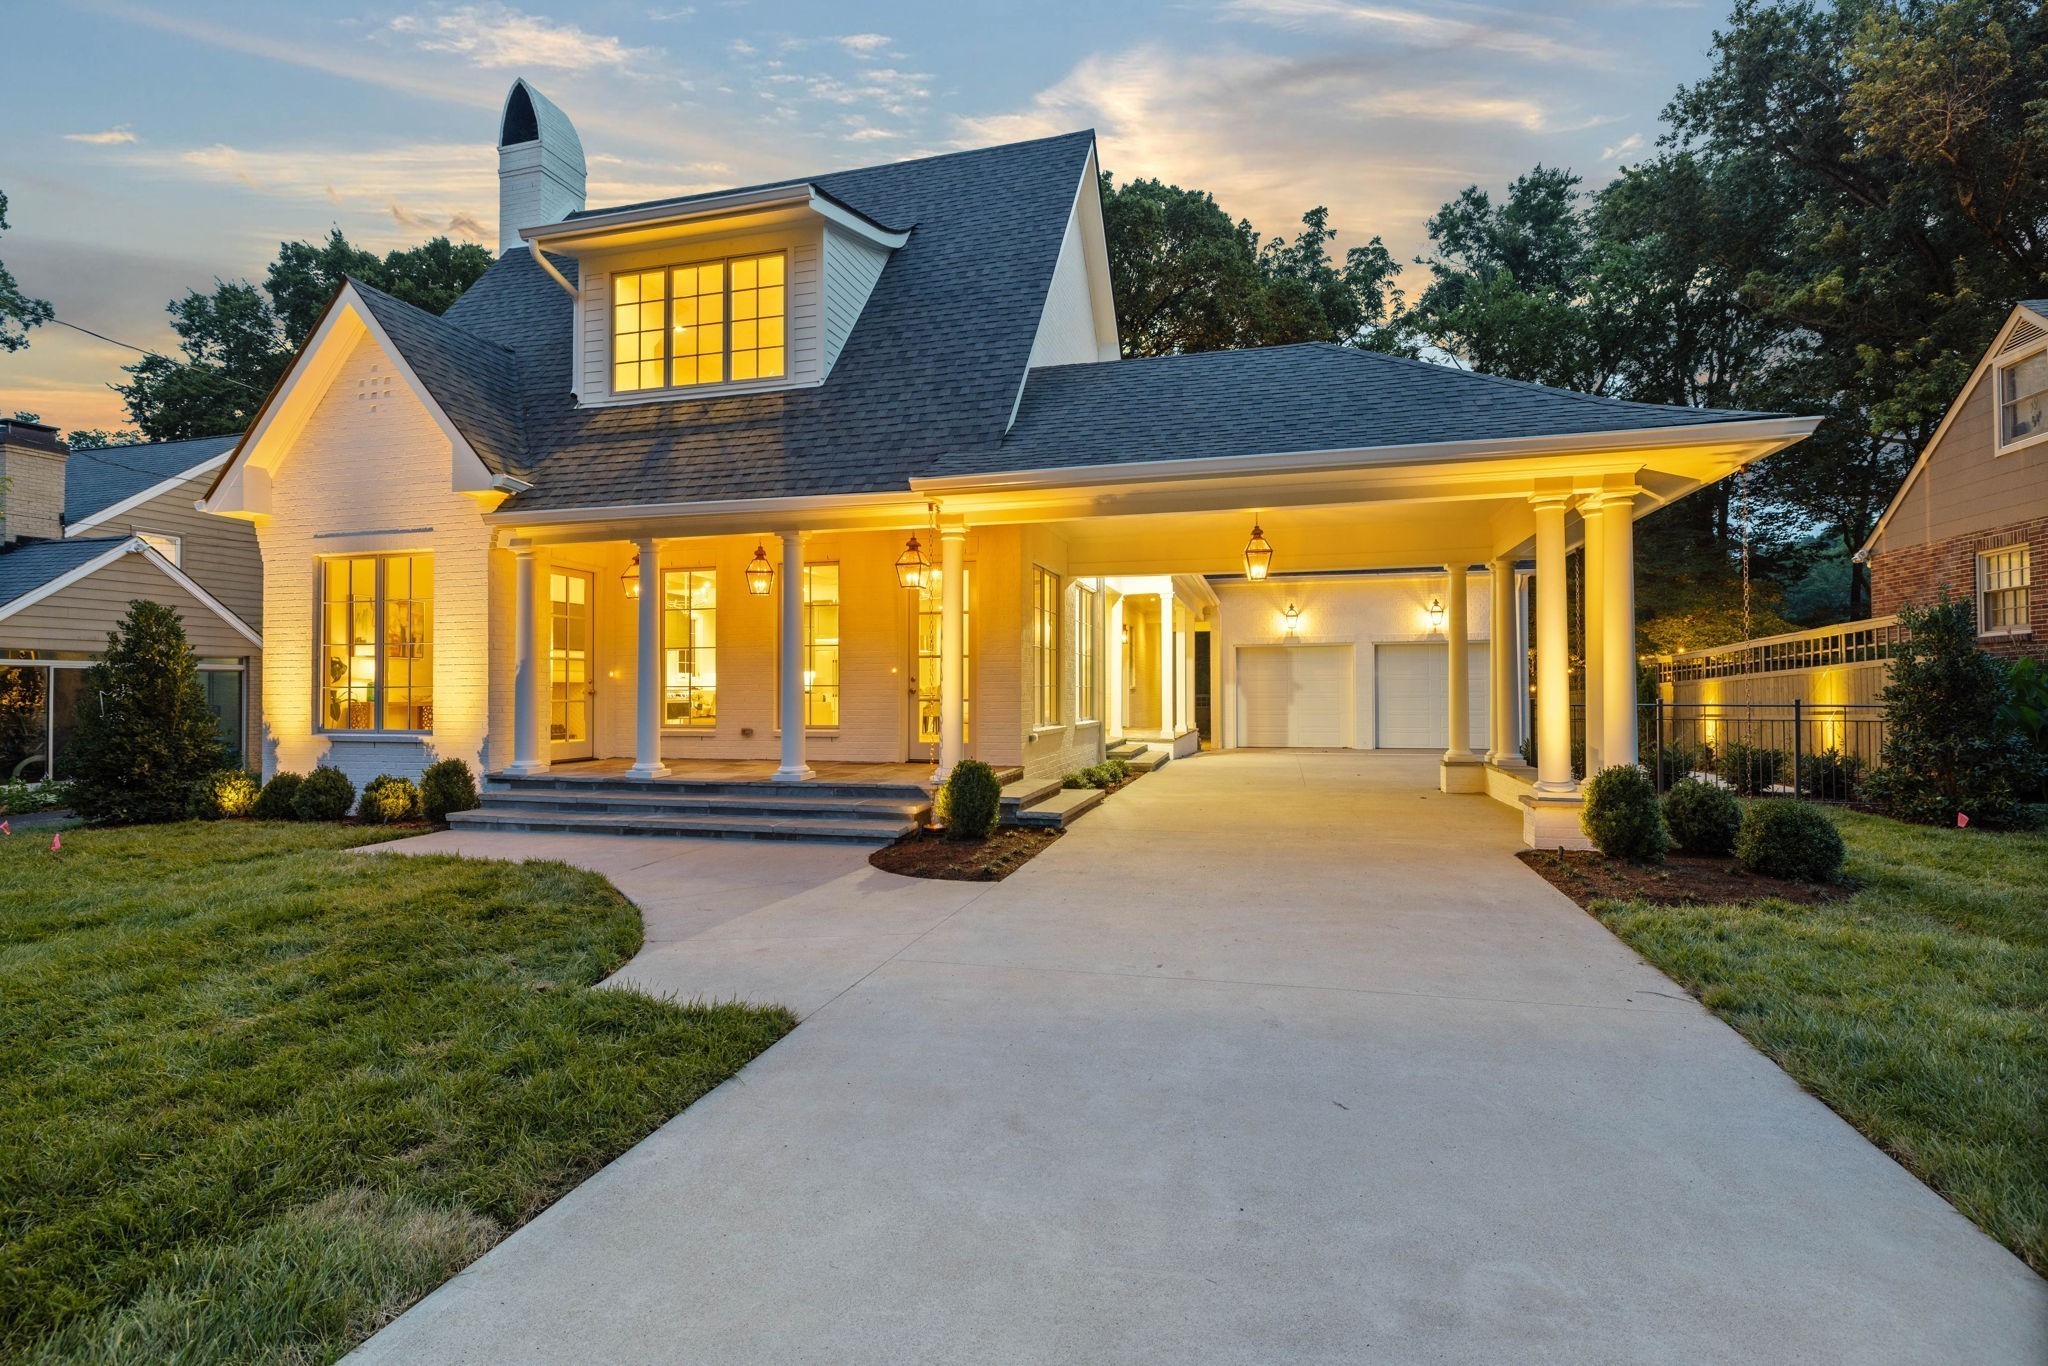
(2025, 332)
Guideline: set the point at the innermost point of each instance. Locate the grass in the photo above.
(1917, 1008)
(258, 1094)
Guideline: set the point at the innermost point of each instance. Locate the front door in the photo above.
(924, 672)
(569, 660)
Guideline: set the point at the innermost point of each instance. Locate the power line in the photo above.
(156, 355)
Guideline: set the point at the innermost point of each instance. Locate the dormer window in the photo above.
(2022, 400)
(711, 322)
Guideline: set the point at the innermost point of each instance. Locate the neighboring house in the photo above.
(85, 533)
(649, 496)
(1974, 507)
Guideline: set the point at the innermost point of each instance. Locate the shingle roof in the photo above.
(932, 365)
(1278, 399)
(95, 480)
(475, 381)
(28, 567)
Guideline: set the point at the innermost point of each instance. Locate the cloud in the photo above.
(498, 37)
(1633, 142)
(864, 44)
(1488, 29)
(112, 137)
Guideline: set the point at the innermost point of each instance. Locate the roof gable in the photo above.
(99, 481)
(31, 573)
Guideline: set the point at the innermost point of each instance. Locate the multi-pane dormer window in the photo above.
(711, 322)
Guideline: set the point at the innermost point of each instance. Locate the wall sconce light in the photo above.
(631, 578)
(1436, 614)
(760, 573)
(1258, 554)
(911, 566)
(1293, 615)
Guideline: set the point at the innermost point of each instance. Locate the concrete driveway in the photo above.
(1275, 1057)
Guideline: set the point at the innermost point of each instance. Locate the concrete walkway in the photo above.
(1275, 1057)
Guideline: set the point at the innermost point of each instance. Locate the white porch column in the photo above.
(529, 673)
(1525, 702)
(1553, 653)
(1169, 653)
(1461, 770)
(952, 649)
(1500, 664)
(647, 681)
(1596, 631)
(793, 769)
(1618, 612)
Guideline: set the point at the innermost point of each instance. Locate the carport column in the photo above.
(1553, 652)
(1616, 511)
(647, 682)
(1461, 770)
(794, 769)
(527, 667)
(1500, 664)
(952, 649)
(1594, 586)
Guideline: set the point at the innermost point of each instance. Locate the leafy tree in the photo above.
(98, 438)
(1188, 278)
(18, 312)
(235, 342)
(1951, 744)
(145, 734)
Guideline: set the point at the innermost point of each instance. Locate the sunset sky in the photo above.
(152, 147)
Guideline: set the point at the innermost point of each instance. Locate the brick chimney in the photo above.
(32, 465)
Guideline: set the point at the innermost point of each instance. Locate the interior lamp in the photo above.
(760, 573)
(1258, 555)
(912, 567)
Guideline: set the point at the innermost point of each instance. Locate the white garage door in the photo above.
(1411, 695)
(1295, 695)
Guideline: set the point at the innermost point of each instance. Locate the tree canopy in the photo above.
(18, 312)
(235, 342)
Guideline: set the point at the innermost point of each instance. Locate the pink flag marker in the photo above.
(6, 827)
(1961, 820)
(56, 843)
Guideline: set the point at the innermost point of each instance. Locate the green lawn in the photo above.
(1917, 1008)
(257, 1094)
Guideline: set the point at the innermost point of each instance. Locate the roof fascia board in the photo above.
(136, 500)
(1783, 431)
(1984, 364)
(133, 545)
(314, 352)
(802, 195)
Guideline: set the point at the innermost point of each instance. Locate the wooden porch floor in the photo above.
(748, 771)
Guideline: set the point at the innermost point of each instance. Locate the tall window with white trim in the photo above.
(376, 643)
(2003, 577)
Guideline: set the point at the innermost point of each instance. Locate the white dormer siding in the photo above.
(1078, 323)
(852, 266)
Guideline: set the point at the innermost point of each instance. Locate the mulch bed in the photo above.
(1681, 880)
(928, 853)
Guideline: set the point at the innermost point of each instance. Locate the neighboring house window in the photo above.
(700, 324)
(821, 646)
(930, 605)
(2023, 400)
(689, 641)
(376, 643)
(170, 547)
(2003, 577)
(1045, 636)
(1084, 654)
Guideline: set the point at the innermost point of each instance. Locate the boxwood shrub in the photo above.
(973, 802)
(325, 795)
(1621, 815)
(278, 801)
(1792, 840)
(446, 785)
(1702, 817)
(388, 798)
(223, 794)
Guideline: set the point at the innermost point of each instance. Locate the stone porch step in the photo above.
(710, 804)
(1060, 809)
(1026, 792)
(1126, 749)
(1148, 759)
(694, 787)
(873, 831)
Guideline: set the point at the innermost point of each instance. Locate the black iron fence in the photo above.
(1779, 749)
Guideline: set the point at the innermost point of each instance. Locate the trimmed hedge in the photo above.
(388, 798)
(325, 795)
(1621, 815)
(223, 794)
(447, 785)
(278, 801)
(1703, 817)
(974, 801)
(1792, 840)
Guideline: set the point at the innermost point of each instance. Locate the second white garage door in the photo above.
(1295, 695)
(1412, 686)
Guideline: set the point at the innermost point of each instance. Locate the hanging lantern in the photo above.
(760, 573)
(911, 566)
(631, 578)
(1258, 554)
(1292, 614)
